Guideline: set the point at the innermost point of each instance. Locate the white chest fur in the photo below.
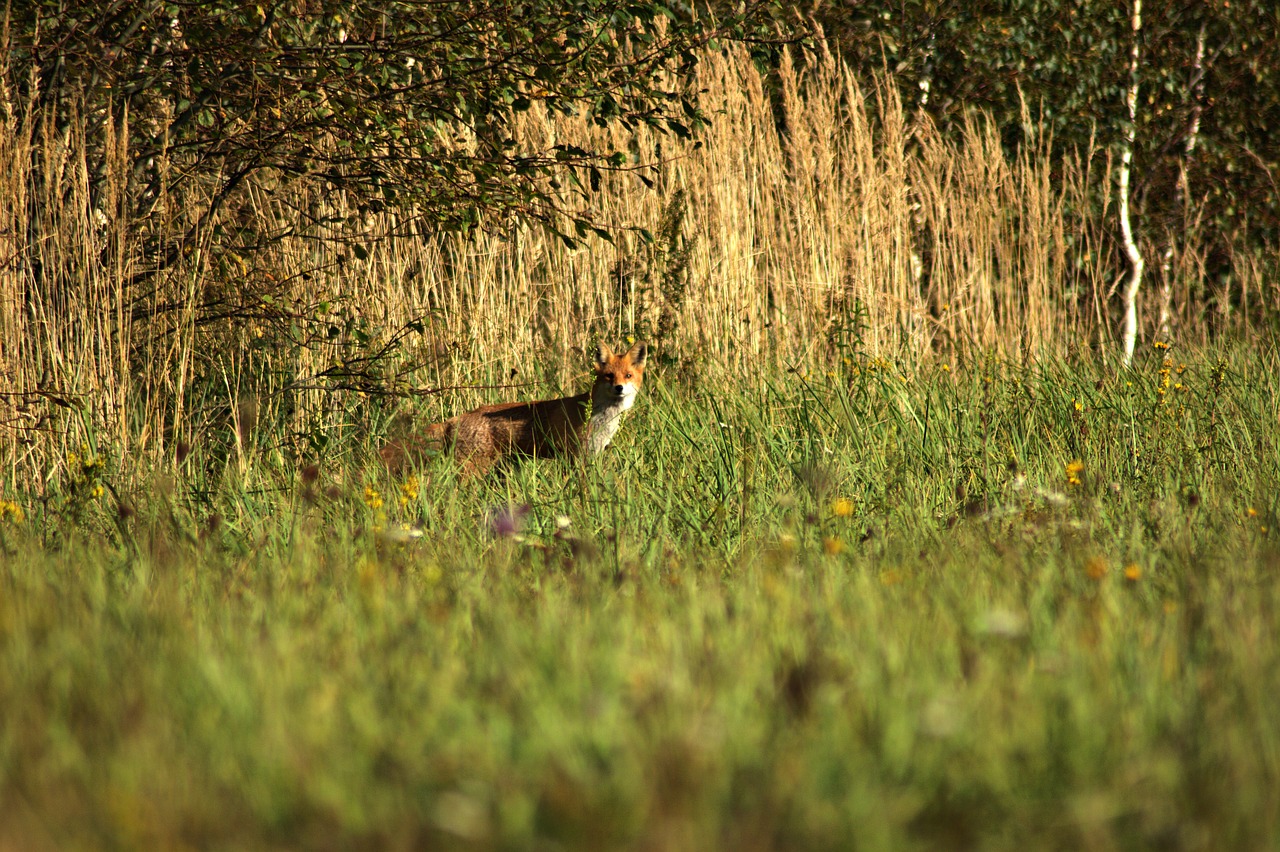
(604, 424)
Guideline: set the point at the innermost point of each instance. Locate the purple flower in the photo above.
(506, 521)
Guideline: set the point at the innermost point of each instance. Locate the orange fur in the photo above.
(574, 425)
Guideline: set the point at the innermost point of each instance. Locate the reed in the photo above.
(815, 221)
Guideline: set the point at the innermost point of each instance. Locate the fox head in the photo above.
(618, 377)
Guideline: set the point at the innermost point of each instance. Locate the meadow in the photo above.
(885, 606)
(892, 553)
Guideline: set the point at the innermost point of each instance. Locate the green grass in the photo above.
(863, 609)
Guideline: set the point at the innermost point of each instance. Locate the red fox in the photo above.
(585, 423)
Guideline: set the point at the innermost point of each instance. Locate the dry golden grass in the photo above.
(856, 229)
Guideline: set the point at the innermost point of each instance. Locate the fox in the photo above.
(572, 426)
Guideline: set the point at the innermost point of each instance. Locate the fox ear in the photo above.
(603, 355)
(637, 353)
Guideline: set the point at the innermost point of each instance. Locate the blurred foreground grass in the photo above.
(984, 607)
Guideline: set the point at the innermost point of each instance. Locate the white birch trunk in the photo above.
(1136, 262)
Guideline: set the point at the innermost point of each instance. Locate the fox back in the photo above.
(583, 424)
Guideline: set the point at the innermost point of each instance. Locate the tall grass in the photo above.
(885, 557)
(806, 224)
(878, 608)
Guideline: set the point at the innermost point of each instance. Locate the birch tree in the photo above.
(1131, 250)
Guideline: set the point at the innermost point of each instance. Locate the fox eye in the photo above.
(627, 376)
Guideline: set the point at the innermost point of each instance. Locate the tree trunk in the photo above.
(1136, 262)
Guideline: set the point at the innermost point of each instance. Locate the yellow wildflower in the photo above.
(832, 546)
(1096, 568)
(372, 498)
(1133, 572)
(842, 507)
(408, 491)
(1074, 468)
